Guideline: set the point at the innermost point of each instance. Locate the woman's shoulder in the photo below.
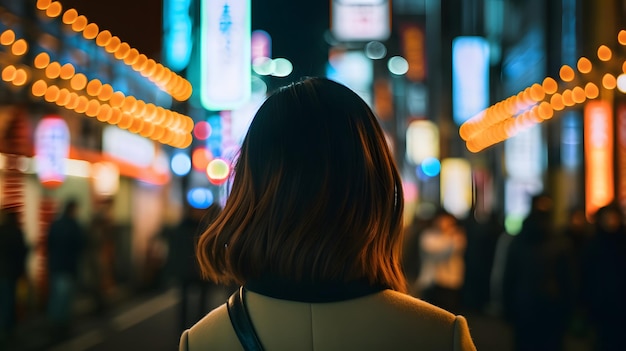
(213, 331)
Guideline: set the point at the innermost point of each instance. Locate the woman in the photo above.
(312, 230)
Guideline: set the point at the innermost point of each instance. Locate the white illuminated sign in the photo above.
(360, 20)
(52, 145)
(470, 77)
(225, 61)
(456, 186)
(422, 141)
(127, 146)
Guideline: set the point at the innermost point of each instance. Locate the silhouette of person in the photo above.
(442, 249)
(312, 231)
(184, 264)
(66, 241)
(538, 282)
(13, 252)
(604, 278)
(483, 232)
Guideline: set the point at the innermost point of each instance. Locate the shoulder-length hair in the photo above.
(316, 194)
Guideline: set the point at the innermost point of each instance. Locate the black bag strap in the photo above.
(241, 322)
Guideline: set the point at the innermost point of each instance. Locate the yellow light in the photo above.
(67, 71)
(72, 102)
(39, 88)
(113, 44)
(54, 9)
(536, 92)
(584, 65)
(556, 101)
(591, 90)
(621, 37)
(126, 121)
(53, 70)
(41, 60)
(117, 99)
(93, 87)
(550, 85)
(43, 4)
(129, 104)
(140, 63)
(103, 38)
(8, 73)
(105, 113)
(132, 57)
(78, 82)
(116, 116)
(106, 92)
(7, 37)
(52, 93)
(19, 47)
(578, 94)
(70, 16)
(81, 106)
(136, 125)
(91, 31)
(64, 97)
(566, 73)
(80, 23)
(604, 53)
(545, 111)
(624, 67)
(122, 51)
(21, 77)
(609, 81)
(93, 107)
(568, 99)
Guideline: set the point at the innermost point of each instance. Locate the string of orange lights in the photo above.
(539, 102)
(94, 98)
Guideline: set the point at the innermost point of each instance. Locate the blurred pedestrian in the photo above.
(100, 254)
(483, 229)
(442, 249)
(538, 282)
(579, 232)
(66, 241)
(604, 279)
(13, 252)
(184, 265)
(312, 230)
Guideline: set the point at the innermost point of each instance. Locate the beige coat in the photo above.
(387, 320)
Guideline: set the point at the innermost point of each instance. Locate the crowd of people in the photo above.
(547, 282)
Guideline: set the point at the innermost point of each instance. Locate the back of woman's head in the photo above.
(316, 194)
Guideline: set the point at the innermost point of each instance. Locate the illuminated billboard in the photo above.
(470, 77)
(360, 20)
(225, 58)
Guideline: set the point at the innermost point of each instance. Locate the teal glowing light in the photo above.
(430, 166)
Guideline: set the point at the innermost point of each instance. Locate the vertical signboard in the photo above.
(52, 147)
(456, 186)
(176, 34)
(225, 57)
(470, 77)
(360, 20)
(598, 146)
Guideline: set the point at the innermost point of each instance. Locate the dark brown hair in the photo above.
(316, 194)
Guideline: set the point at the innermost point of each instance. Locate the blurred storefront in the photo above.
(85, 116)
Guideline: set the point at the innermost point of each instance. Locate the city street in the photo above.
(149, 322)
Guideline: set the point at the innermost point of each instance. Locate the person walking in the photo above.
(538, 281)
(13, 252)
(66, 242)
(312, 233)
